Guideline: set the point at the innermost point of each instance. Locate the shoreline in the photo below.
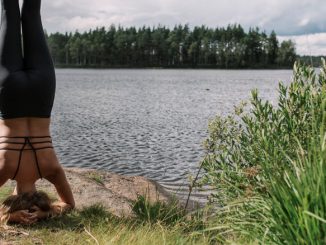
(171, 68)
(113, 191)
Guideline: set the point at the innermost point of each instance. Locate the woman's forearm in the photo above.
(59, 180)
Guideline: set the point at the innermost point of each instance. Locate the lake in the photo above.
(147, 122)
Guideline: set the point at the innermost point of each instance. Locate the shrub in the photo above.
(267, 164)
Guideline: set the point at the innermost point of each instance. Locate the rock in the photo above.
(113, 191)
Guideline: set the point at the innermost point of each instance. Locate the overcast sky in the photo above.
(302, 20)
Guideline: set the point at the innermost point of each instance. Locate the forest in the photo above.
(180, 47)
(314, 61)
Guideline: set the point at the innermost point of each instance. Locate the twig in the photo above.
(193, 183)
(90, 234)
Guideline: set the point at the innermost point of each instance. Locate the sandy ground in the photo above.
(115, 192)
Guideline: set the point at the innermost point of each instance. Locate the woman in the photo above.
(27, 87)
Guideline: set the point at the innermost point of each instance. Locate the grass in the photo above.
(95, 225)
(157, 211)
(96, 177)
(5, 192)
(267, 164)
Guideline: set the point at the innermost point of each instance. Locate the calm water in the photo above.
(147, 122)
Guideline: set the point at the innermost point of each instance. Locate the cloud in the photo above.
(312, 44)
(304, 22)
(286, 17)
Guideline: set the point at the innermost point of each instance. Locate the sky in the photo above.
(303, 21)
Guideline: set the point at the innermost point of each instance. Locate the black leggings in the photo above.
(27, 77)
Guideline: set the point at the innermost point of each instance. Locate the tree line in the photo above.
(314, 61)
(229, 47)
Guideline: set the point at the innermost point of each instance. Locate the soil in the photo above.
(113, 191)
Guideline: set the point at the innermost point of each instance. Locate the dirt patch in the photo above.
(114, 191)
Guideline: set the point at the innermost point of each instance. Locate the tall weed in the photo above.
(267, 165)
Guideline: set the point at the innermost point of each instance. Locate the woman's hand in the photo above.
(23, 217)
(59, 207)
(39, 213)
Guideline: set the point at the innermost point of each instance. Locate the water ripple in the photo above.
(147, 122)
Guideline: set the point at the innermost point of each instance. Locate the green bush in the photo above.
(267, 164)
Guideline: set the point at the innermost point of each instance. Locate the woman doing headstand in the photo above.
(27, 88)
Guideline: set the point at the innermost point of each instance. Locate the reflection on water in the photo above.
(147, 122)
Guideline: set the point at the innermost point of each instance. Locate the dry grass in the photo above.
(95, 225)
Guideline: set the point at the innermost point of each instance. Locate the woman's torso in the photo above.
(27, 165)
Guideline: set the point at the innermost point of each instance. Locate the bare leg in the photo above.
(10, 39)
